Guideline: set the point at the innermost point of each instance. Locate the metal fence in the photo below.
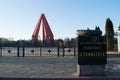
(37, 51)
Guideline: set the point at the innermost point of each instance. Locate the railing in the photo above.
(37, 51)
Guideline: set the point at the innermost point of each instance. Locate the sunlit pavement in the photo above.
(37, 67)
(49, 67)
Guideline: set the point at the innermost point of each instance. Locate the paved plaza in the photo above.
(38, 67)
(49, 67)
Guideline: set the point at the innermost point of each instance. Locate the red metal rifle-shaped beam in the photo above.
(48, 36)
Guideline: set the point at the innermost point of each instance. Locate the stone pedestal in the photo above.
(92, 55)
(91, 70)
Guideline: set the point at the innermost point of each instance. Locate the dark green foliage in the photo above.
(109, 33)
(28, 43)
(97, 28)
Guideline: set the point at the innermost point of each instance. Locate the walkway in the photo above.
(31, 67)
(53, 67)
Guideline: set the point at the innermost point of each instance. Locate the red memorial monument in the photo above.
(48, 37)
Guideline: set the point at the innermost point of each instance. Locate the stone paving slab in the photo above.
(40, 67)
(37, 66)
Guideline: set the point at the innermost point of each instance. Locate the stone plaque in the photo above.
(91, 52)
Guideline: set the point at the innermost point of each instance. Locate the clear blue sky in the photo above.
(18, 18)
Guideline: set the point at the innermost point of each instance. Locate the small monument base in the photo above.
(91, 70)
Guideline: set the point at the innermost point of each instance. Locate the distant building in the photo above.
(119, 38)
